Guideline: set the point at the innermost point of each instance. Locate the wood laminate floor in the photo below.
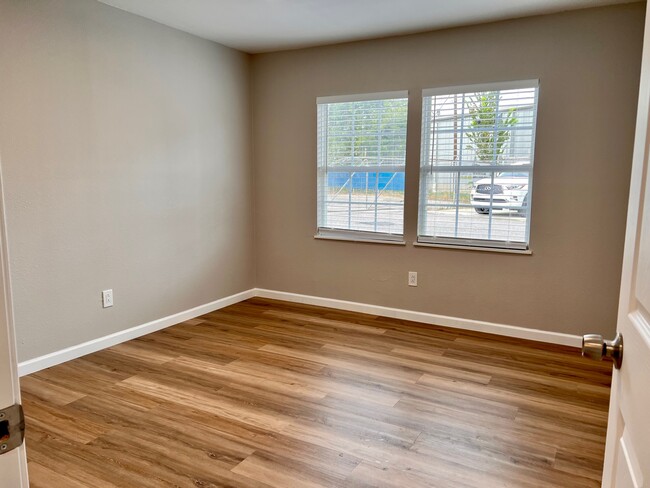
(270, 394)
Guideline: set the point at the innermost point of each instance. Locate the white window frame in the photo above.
(461, 242)
(322, 171)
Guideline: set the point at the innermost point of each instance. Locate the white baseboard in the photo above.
(427, 318)
(58, 357)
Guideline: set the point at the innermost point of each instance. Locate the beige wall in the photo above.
(125, 154)
(588, 64)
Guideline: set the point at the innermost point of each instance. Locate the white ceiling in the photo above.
(270, 25)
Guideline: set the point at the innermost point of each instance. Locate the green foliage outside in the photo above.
(373, 130)
(491, 129)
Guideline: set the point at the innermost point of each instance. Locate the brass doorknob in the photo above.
(595, 347)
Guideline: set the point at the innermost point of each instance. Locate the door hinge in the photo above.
(12, 428)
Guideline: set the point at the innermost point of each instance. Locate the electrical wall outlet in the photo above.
(107, 298)
(413, 278)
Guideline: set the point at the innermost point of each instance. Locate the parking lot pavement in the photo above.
(501, 225)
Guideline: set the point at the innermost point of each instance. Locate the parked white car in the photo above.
(508, 191)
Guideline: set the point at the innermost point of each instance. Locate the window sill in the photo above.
(359, 239)
(474, 248)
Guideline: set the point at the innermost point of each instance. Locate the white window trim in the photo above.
(480, 87)
(474, 243)
(360, 235)
(456, 247)
(362, 97)
(479, 244)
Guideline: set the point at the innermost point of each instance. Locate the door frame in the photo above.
(13, 465)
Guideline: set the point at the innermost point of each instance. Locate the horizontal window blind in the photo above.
(476, 165)
(361, 162)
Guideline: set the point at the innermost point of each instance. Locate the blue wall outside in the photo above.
(360, 180)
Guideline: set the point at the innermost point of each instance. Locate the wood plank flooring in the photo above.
(270, 394)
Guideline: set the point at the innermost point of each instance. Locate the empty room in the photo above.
(324, 244)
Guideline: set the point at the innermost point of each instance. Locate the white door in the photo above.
(13, 464)
(627, 455)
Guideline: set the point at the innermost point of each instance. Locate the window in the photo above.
(361, 161)
(476, 165)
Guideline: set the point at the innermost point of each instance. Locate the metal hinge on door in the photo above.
(12, 428)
